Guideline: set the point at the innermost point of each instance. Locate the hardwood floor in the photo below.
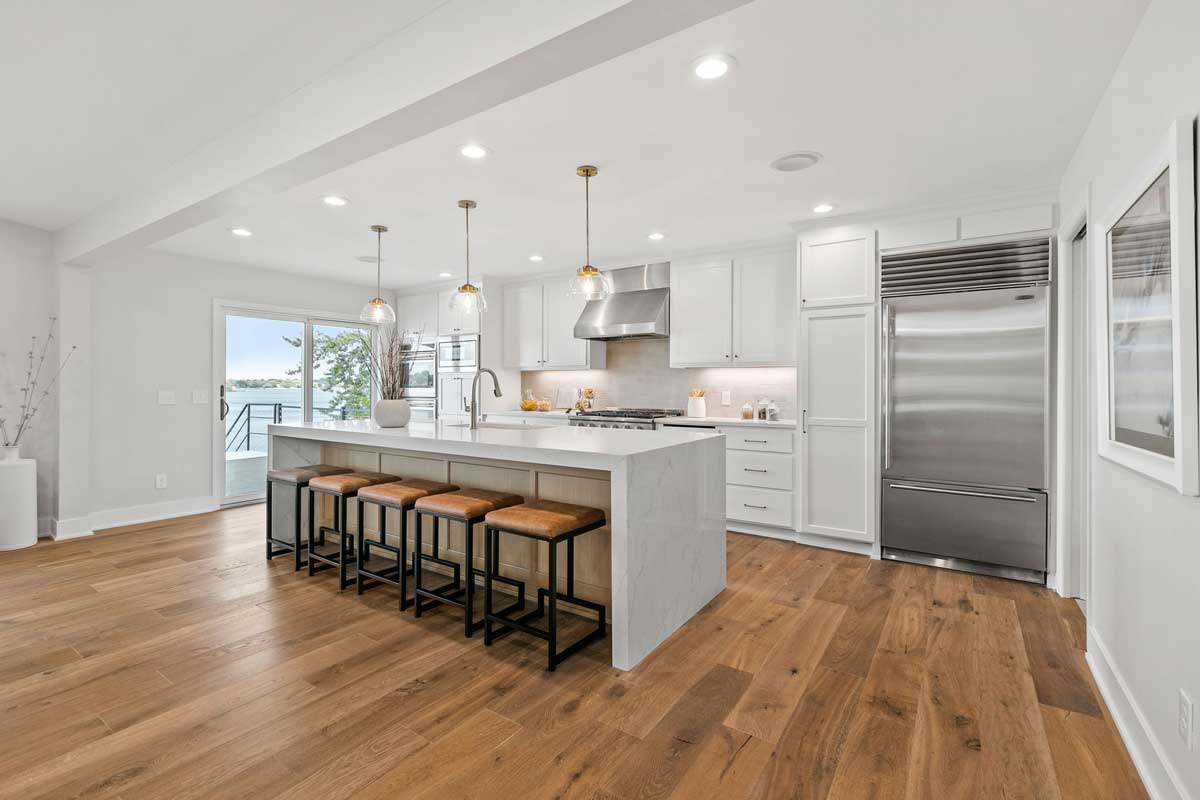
(172, 661)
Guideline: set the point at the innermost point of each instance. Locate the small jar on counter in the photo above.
(772, 411)
(747, 411)
(545, 405)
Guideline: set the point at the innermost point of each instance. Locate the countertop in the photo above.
(730, 422)
(586, 448)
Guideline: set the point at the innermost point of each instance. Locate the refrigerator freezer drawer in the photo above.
(993, 526)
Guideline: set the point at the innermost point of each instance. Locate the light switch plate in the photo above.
(726, 397)
(160, 480)
(200, 396)
(166, 397)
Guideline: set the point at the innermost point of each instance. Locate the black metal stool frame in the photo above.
(344, 554)
(296, 545)
(509, 624)
(449, 592)
(393, 575)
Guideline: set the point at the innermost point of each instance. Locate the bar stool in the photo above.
(550, 522)
(341, 488)
(468, 506)
(298, 477)
(401, 496)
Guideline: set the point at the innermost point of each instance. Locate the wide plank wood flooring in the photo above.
(171, 660)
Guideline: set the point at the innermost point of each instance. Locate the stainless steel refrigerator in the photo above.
(966, 377)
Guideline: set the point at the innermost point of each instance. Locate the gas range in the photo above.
(633, 418)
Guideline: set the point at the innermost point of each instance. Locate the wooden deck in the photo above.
(172, 661)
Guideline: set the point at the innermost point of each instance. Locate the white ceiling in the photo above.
(97, 98)
(912, 103)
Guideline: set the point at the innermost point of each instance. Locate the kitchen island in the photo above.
(659, 560)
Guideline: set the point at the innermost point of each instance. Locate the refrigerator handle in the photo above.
(886, 394)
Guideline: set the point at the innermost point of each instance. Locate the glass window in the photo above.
(1140, 327)
(341, 371)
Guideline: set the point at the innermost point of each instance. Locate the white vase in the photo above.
(18, 499)
(696, 407)
(392, 413)
(9, 452)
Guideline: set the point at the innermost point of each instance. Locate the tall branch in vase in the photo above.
(391, 362)
(33, 393)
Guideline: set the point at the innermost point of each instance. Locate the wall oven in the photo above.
(422, 373)
(458, 354)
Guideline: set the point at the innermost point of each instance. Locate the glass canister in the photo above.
(545, 405)
(747, 411)
(772, 411)
(762, 408)
(528, 401)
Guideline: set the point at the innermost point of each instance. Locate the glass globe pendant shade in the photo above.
(468, 299)
(378, 312)
(589, 283)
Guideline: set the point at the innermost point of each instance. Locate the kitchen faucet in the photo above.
(475, 394)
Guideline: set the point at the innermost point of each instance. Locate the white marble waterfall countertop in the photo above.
(585, 448)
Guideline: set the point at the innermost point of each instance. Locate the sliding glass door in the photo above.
(273, 366)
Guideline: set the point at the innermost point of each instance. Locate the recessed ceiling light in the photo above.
(535, 257)
(443, 274)
(712, 66)
(334, 200)
(473, 150)
(822, 208)
(242, 232)
(794, 162)
(656, 236)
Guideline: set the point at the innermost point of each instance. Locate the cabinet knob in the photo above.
(727, 355)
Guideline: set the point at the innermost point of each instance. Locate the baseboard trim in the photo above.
(152, 512)
(811, 539)
(1161, 780)
(70, 528)
(45, 527)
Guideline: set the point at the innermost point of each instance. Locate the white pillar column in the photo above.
(73, 307)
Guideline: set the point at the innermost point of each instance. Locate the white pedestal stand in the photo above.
(18, 503)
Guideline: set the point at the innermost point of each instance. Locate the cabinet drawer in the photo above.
(764, 470)
(764, 506)
(764, 440)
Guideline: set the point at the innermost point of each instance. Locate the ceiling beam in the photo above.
(464, 57)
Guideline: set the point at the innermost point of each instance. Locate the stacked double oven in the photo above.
(965, 407)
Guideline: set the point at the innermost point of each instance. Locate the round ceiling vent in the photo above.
(794, 162)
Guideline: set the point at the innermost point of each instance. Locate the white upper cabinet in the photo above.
(838, 271)
(562, 349)
(734, 311)
(702, 313)
(764, 309)
(523, 326)
(451, 323)
(539, 328)
(418, 313)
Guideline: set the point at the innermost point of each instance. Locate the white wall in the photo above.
(152, 324)
(1144, 608)
(26, 288)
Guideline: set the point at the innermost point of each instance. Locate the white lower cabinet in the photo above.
(837, 432)
(759, 471)
(454, 393)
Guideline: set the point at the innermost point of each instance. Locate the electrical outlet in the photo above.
(200, 396)
(166, 397)
(160, 480)
(1185, 719)
(726, 397)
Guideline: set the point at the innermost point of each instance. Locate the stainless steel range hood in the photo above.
(638, 308)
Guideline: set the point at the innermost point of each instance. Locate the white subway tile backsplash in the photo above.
(638, 375)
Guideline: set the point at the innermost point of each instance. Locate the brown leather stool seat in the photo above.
(468, 506)
(392, 568)
(342, 488)
(299, 478)
(552, 522)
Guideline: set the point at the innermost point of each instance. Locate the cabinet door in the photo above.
(451, 323)
(523, 326)
(701, 314)
(838, 271)
(418, 313)
(452, 395)
(561, 312)
(838, 473)
(764, 309)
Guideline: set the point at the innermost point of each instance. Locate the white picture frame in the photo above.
(1175, 153)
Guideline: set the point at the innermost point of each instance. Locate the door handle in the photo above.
(224, 405)
(886, 399)
(752, 469)
(804, 421)
(987, 495)
(755, 441)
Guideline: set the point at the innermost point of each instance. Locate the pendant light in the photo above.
(377, 310)
(589, 282)
(469, 298)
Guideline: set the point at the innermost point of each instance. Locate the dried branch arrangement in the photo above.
(391, 362)
(33, 393)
